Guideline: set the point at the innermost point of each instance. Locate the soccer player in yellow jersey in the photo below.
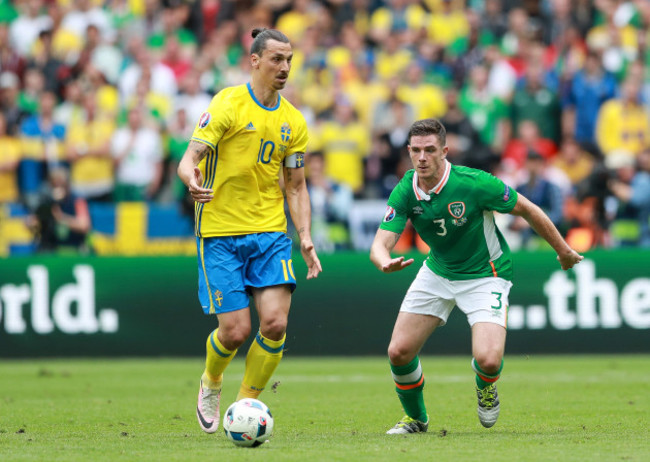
(248, 134)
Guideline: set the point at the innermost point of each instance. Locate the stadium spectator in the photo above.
(576, 163)
(493, 21)
(85, 13)
(613, 37)
(44, 61)
(534, 102)
(71, 109)
(468, 265)
(161, 78)
(390, 124)
(42, 148)
(9, 90)
(179, 132)
(636, 196)
(623, 125)
(515, 153)
(448, 24)
(242, 246)
(426, 99)
(10, 60)
(465, 145)
(33, 86)
(88, 150)
(587, 91)
(24, 30)
(61, 221)
(345, 143)
(192, 99)
(9, 159)
(330, 205)
(486, 112)
(541, 192)
(137, 154)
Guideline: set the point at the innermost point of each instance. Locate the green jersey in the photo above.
(456, 221)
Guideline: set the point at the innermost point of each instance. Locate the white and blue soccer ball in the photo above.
(248, 422)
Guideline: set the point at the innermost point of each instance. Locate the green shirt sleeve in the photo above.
(396, 216)
(495, 194)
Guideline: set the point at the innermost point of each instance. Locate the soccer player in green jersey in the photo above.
(469, 265)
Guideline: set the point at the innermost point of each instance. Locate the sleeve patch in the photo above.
(506, 193)
(204, 120)
(389, 215)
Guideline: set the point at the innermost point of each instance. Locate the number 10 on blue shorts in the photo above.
(230, 266)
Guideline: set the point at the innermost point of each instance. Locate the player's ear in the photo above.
(255, 60)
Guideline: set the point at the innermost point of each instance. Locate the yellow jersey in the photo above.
(249, 144)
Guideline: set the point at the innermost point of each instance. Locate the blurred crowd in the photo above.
(99, 99)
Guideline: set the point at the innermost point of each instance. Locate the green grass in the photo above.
(570, 408)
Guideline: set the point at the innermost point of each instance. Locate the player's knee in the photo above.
(274, 329)
(399, 355)
(489, 362)
(234, 337)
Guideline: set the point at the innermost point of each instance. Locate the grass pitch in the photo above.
(337, 409)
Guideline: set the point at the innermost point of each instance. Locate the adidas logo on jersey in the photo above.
(250, 126)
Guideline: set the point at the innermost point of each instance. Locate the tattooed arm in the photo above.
(300, 210)
(191, 175)
(383, 244)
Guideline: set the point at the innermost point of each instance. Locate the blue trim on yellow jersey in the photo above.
(210, 175)
(250, 91)
(200, 140)
(260, 342)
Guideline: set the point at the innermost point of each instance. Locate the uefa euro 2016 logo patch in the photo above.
(390, 214)
(285, 132)
(204, 120)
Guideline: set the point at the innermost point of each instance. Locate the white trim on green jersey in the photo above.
(436, 189)
(456, 220)
(489, 230)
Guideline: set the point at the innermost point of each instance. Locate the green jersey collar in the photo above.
(421, 195)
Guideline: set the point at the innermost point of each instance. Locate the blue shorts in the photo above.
(230, 266)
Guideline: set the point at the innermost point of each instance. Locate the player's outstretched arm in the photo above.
(300, 210)
(543, 226)
(380, 252)
(191, 175)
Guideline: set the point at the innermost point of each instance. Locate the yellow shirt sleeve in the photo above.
(214, 122)
(301, 138)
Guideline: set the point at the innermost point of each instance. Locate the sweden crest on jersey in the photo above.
(285, 132)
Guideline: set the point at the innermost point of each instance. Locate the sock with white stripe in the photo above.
(409, 383)
(483, 379)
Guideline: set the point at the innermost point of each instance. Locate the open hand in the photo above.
(396, 264)
(197, 191)
(308, 251)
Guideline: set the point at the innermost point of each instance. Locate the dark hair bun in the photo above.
(257, 31)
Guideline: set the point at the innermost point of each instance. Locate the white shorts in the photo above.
(482, 300)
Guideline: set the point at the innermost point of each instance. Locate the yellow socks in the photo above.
(263, 357)
(216, 361)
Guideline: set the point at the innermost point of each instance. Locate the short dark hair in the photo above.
(261, 35)
(426, 127)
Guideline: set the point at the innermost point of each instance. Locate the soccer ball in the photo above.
(248, 422)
